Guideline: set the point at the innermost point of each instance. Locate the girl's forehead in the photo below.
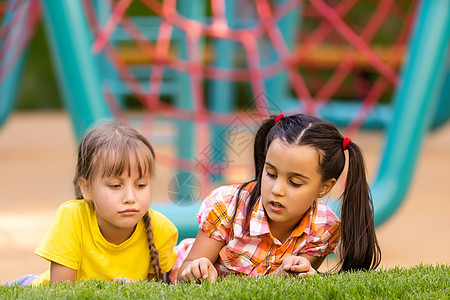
(292, 158)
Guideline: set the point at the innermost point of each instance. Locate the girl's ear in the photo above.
(326, 187)
(84, 187)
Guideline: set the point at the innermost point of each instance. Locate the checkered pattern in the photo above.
(256, 251)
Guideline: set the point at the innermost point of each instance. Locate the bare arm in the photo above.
(199, 262)
(61, 273)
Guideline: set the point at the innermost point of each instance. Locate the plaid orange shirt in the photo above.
(257, 251)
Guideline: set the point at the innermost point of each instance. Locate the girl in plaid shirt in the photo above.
(277, 223)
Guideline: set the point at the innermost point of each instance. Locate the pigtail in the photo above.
(359, 245)
(154, 255)
(259, 157)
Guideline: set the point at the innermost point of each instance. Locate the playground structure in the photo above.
(83, 57)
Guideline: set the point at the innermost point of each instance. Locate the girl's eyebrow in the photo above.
(290, 173)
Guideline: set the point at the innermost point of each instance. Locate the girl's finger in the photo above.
(311, 272)
(212, 274)
(187, 274)
(300, 268)
(196, 272)
(289, 261)
(204, 266)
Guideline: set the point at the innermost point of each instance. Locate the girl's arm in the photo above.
(199, 262)
(61, 273)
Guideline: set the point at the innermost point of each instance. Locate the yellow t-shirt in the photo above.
(74, 240)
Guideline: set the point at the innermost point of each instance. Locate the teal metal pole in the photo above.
(8, 86)
(184, 180)
(8, 89)
(277, 86)
(415, 103)
(103, 10)
(443, 111)
(221, 94)
(183, 99)
(77, 67)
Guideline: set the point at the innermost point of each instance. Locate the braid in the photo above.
(154, 255)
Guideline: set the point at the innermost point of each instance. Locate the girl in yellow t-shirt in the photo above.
(109, 233)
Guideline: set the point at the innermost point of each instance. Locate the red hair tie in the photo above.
(280, 116)
(345, 143)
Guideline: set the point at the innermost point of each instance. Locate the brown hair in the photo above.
(359, 247)
(108, 149)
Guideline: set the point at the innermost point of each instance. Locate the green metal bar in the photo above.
(415, 102)
(77, 68)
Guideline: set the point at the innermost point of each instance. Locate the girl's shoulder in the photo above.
(223, 200)
(162, 227)
(75, 204)
(227, 193)
(324, 215)
(159, 219)
(75, 207)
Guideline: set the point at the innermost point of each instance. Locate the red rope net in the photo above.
(345, 49)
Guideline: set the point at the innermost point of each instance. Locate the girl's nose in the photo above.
(129, 196)
(277, 188)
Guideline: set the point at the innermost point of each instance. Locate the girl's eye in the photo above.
(114, 186)
(141, 186)
(271, 175)
(295, 184)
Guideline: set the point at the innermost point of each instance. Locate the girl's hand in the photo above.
(296, 266)
(123, 280)
(199, 269)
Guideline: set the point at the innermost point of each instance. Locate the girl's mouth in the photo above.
(275, 206)
(129, 212)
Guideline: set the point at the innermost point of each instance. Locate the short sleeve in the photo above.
(62, 242)
(165, 236)
(215, 213)
(324, 234)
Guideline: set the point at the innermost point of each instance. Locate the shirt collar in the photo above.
(305, 224)
(259, 224)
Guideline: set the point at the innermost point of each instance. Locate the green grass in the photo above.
(429, 282)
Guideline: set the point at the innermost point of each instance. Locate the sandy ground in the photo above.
(37, 158)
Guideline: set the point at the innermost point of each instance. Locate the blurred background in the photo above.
(197, 78)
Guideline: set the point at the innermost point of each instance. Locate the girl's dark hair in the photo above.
(359, 247)
(108, 150)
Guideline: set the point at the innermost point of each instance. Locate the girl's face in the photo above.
(290, 183)
(120, 201)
